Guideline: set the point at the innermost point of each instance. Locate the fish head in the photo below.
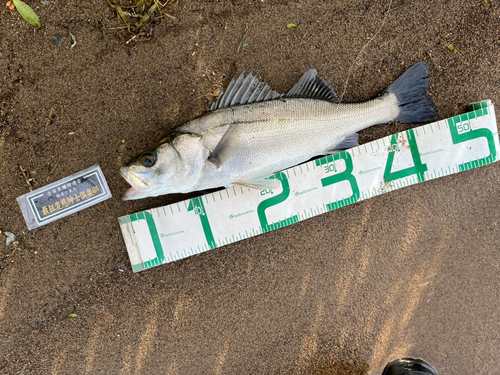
(173, 165)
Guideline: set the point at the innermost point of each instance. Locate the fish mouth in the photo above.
(133, 179)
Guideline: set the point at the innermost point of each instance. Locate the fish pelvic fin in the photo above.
(410, 90)
(259, 182)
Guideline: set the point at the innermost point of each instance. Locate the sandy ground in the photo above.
(411, 273)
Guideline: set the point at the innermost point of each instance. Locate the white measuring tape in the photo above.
(190, 227)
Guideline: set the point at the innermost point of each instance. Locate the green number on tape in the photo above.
(160, 256)
(343, 176)
(418, 168)
(273, 201)
(196, 205)
(461, 132)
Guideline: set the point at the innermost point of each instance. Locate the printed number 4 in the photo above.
(418, 168)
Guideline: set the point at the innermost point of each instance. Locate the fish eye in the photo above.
(148, 159)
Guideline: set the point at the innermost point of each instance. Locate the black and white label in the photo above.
(64, 197)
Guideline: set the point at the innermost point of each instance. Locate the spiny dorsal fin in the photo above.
(312, 86)
(244, 90)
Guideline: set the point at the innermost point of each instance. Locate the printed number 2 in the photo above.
(196, 205)
(273, 201)
(418, 168)
(458, 135)
(343, 176)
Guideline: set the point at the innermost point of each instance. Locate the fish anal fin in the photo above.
(260, 182)
(348, 142)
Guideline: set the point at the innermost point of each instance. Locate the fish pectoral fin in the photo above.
(311, 85)
(260, 182)
(227, 147)
(348, 142)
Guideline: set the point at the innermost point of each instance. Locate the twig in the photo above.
(50, 174)
(51, 117)
(399, 6)
(434, 61)
(362, 49)
(171, 17)
(131, 39)
(5, 256)
(242, 39)
(23, 171)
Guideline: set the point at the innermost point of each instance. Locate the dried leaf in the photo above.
(10, 237)
(121, 13)
(27, 13)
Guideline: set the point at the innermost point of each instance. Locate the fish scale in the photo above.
(286, 132)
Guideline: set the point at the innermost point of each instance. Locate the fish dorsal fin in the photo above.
(244, 90)
(312, 86)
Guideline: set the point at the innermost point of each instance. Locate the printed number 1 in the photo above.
(196, 205)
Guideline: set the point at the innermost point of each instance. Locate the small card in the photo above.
(64, 197)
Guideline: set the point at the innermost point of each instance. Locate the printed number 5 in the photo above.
(458, 136)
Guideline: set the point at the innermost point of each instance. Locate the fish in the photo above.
(251, 132)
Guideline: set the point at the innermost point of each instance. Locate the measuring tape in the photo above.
(190, 227)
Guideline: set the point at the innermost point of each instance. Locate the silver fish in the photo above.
(251, 132)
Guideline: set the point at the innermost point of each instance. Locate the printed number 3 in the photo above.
(343, 176)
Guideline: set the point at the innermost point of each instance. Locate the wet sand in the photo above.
(410, 273)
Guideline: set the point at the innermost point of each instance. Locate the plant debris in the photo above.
(451, 48)
(141, 13)
(25, 11)
(73, 40)
(10, 238)
(29, 180)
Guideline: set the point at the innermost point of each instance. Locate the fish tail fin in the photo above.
(410, 90)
